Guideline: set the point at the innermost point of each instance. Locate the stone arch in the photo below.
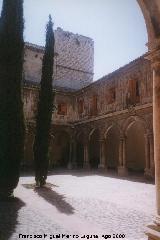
(151, 14)
(94, 148)
(110, 125)
(131, 120)
(112, 139)
(135, 131)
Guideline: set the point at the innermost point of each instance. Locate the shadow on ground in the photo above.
(8, 217)
(52, 197)
(55, 199)
(33, 185)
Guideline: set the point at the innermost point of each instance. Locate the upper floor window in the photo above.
(80, 106)
(133, 95)
(94, 105)
(137, 89)
(111, 95)
(62, 109)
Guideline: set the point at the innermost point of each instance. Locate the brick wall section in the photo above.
(74, 60)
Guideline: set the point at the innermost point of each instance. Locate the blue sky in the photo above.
(116, 26)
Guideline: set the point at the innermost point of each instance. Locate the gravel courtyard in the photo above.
(79, 206)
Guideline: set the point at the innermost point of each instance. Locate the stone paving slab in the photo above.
(78, 204)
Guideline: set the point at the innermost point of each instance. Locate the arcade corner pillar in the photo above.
(154, 56)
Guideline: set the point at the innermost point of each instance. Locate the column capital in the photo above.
(148, 135)
(123, 137)
(154, 43)
(154, 57)
(101, 140)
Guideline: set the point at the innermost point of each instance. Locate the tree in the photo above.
(11, 105)
(44, 110)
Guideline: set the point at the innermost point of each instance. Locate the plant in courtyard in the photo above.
(11, 106)
(44, 110)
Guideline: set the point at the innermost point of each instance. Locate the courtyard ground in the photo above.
(78, 204)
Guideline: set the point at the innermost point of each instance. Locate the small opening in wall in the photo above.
(62, 109)
(111, 96)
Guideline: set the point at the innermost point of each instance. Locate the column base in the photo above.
(149, 173)
(122, 171)
(69, 167)
(74, 165)
(101, 166)
(86, 166)
(153, 231)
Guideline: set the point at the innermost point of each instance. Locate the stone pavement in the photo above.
(79, 204)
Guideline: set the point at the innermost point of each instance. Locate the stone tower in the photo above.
(73, 63)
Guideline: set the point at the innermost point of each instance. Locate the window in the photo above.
(133, 95)
(94, 105)
(111, 95)
(62, 109)
(137, 89)
(80, 106)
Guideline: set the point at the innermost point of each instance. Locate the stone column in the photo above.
(122, 170)
(154, 230)
(124, 152)
(86, 164)
(156, 127)
(102, 154)
(69, 167)
(151, 147)
(72, 155)
(147, 156)
(121, 152)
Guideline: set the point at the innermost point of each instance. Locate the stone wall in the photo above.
(113, 109)
(125, 88)
(107, 95)
(30, 98)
